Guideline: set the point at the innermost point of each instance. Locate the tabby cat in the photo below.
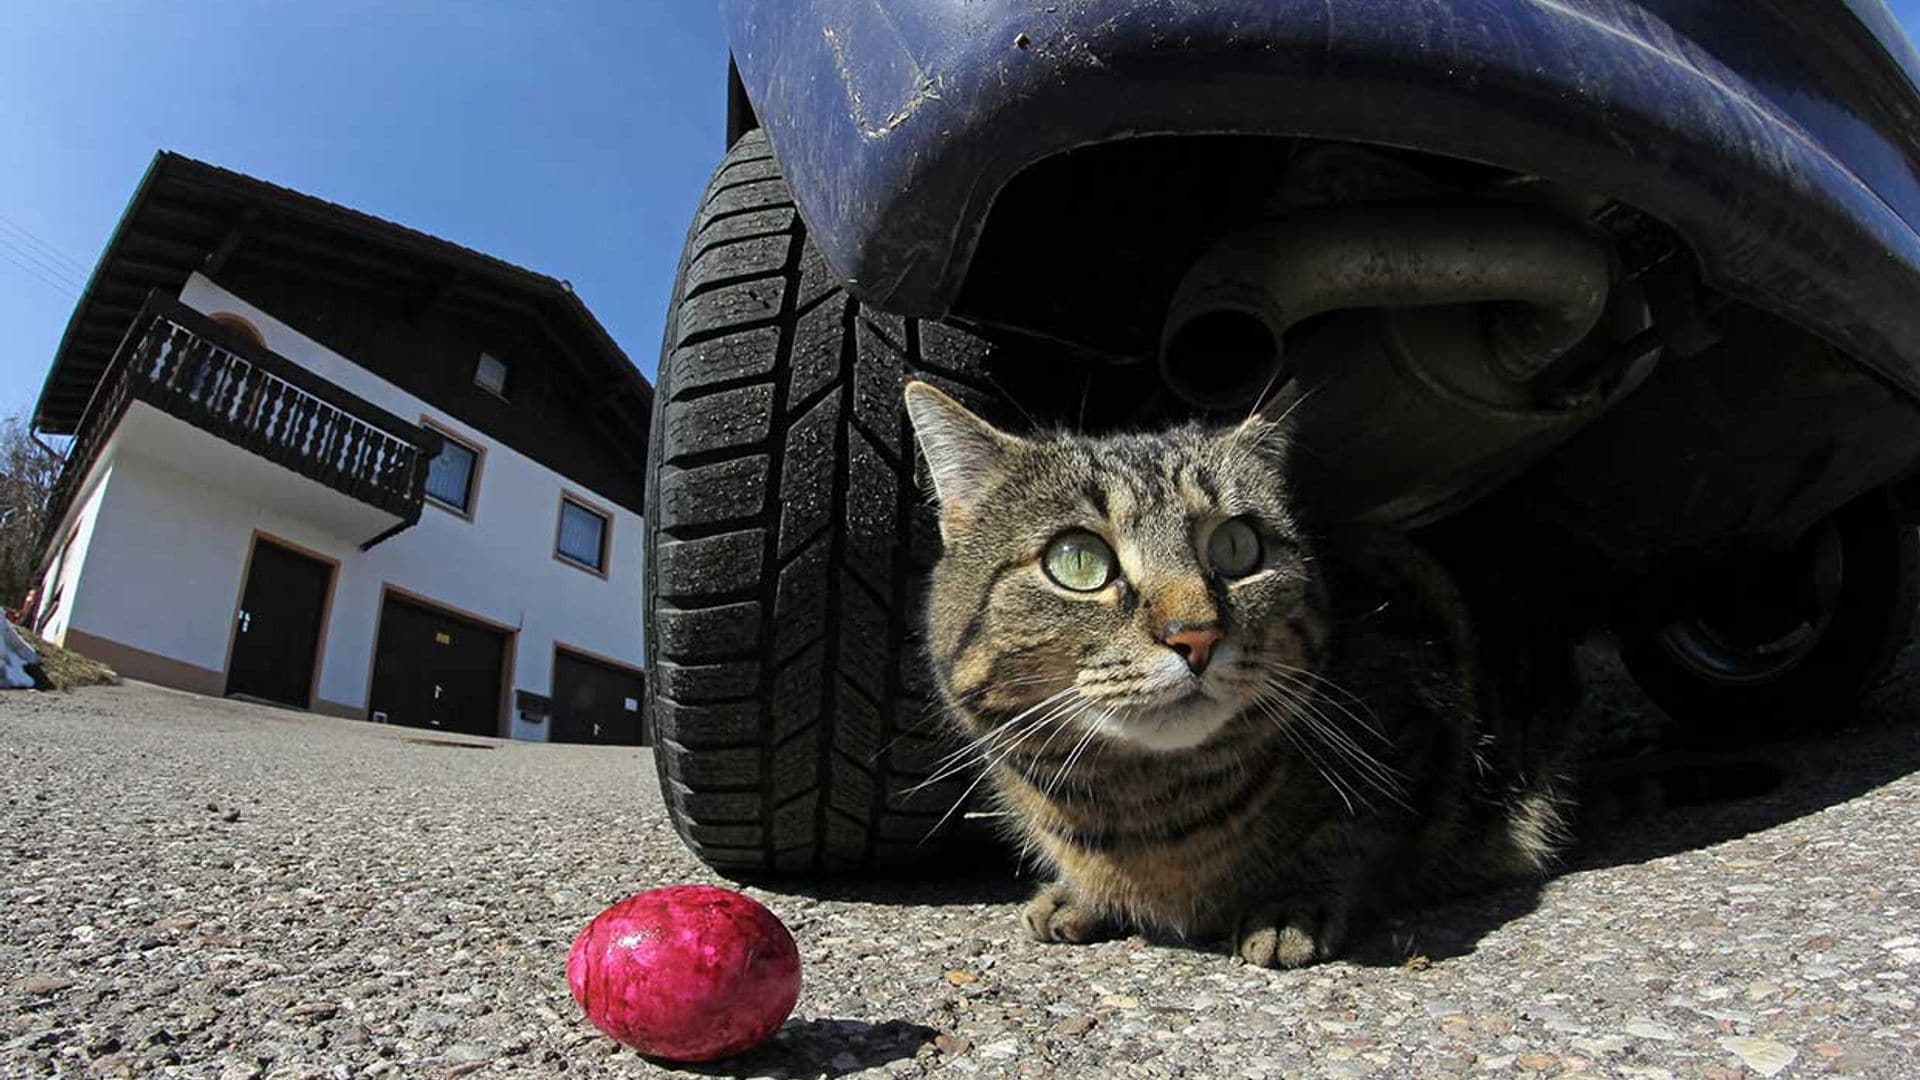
(1211, 720)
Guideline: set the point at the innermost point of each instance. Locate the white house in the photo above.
(324, 460)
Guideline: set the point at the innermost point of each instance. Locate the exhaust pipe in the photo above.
(1544, 280)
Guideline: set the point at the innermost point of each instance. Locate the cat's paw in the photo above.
(1053, 915)
(1289, 935)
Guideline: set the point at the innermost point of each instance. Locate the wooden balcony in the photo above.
(183, 364)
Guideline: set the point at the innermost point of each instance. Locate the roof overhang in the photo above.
(189, 216)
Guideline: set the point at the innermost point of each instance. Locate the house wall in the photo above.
(164, 570)
(62, 575)
(159, 579)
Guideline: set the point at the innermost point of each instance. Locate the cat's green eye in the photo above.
(1234, 548)
(1079, 561)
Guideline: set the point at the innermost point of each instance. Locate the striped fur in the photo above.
(1335, 756)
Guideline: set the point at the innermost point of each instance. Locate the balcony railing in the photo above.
(181, 362)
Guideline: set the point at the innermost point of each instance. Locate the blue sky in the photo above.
(570, 136)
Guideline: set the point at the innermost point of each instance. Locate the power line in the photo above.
(36, 270)
(39, 250)
(62, 287)
(67, 262)
(25, 255)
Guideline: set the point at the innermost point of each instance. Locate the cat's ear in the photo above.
(964, 453)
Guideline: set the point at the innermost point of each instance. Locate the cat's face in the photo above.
(1151, 589)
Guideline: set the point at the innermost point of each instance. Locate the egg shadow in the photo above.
(822, 1047)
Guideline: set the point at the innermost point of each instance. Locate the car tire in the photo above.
(1712, 688)
(792, 717)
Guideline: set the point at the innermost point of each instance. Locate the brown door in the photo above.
(276, 632)
(435, 669)
(595, 702)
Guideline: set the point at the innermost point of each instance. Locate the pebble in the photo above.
(952, 1045)
(1649, 1029)
(1000, 1051)
(42, 985)
(1076, 1025)
(1764, 1056)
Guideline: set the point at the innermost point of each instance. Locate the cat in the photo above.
(1213, 718)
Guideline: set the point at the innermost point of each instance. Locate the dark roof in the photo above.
(188, 215)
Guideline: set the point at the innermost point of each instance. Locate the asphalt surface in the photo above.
(205, 888)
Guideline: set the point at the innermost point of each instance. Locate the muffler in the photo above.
(1542, 282)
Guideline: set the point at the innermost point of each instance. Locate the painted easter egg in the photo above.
(686, 973)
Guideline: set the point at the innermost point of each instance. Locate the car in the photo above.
(1617, 301)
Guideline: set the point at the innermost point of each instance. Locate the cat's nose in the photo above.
(1193, 641)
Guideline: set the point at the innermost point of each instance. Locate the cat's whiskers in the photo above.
(938, 708)
(1368, 723)
(1300, 725)
(981, 747)
(981, 753)
(1312, 706)
(986, 750)
(1312, 703)
(1366, 769)
(1059, 716)
(1086, 737)
(1308, 696)
(1066, 721)
(1285, 727)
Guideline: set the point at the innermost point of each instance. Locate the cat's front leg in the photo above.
(1056, 915)
(1291, 933)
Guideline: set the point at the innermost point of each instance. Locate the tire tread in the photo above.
(787, 543)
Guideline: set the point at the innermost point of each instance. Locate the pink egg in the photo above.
(686, 973)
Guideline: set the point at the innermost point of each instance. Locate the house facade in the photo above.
(335, 464)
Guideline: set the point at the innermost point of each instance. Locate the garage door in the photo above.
(595, 702)
(435, 669)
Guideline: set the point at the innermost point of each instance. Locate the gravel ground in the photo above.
(207, 888)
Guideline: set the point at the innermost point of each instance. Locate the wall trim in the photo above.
(137, 663)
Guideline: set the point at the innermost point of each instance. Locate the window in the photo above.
(583, 535)
(490, 374)
(450, 478)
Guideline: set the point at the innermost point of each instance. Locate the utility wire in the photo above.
(65, 261)
(40, 260)
(59, 285)
(23, 255)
